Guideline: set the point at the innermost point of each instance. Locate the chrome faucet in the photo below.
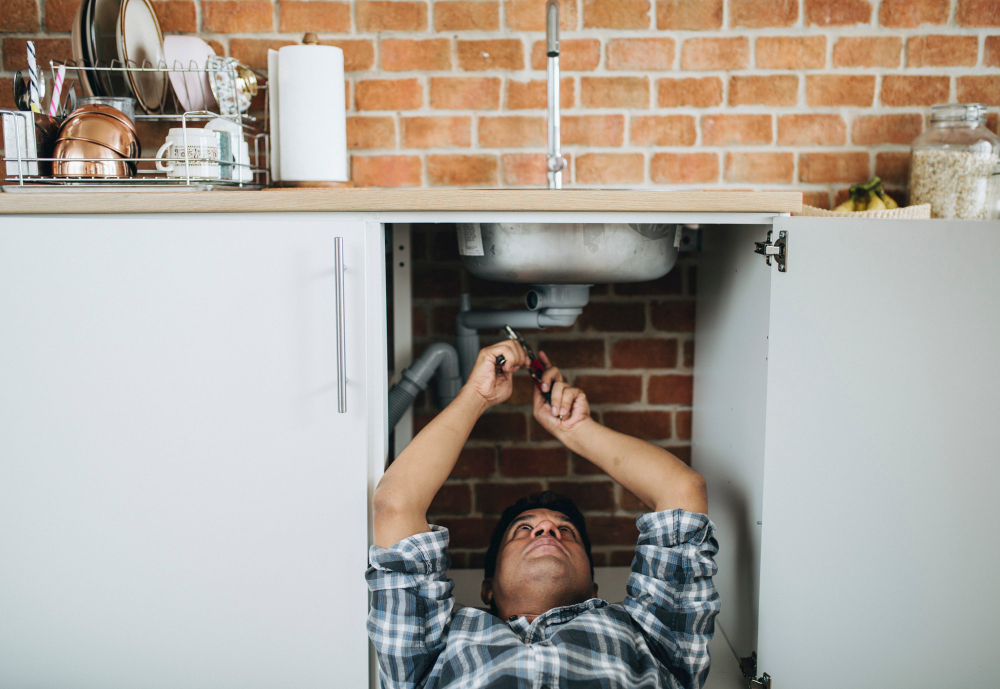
(556, 163)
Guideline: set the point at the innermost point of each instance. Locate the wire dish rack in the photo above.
(161, 93)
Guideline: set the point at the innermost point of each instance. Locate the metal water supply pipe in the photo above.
(555, 161)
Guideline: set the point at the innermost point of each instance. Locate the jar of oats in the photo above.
(953, 162)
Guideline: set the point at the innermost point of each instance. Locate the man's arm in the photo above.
(414, 478)
(658, 478)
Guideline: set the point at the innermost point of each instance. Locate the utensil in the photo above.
(140, 44)
(22, 101)
(101, 160)
(71, 102)
(100, 129)
(124, 104)
(33, 78)
(57, 91)
(192, 89)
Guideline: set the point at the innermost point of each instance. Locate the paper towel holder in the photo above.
(310, 38)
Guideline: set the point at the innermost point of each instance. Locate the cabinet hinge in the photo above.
(748, 666)
(762, 682)
(777, 249)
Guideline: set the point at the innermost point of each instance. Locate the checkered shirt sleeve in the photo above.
(670, 593)
(411, 606)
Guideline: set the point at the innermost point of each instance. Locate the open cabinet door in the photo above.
(879, 551)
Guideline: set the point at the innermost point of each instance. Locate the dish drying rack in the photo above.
(23, 166)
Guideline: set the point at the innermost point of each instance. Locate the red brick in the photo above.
(575, 55)
(478, 462)
(533, 95)
(902, 90)
(683, 419)
(729, 130)
(614, 92)
(59, 14)
(867, 51)
(993, 122)
(663, 130)
(610, 168)
(824, 90)
(759, 168)
(237, 16)
(452, 498)
(253, 51)
(672, 316)
(849, 168)
(978, 13)
(644, 353)
(498, 53)
(816, 199)
(942, 51)
(670, 283)
(465, 93)
(689, 345)
(788, 52)
(528, 169)
(593, 130)
(806, 130)
(408, 55)
(715, 53)
(684, 168)
(15, 53)
(837, 12)
(588, 495)
(529, 15)
(385, 171)
(886, 129)
(391, 15)
(646, 425)
(584, 467)
(991, 52)
(893, 166)
(436, 132)
(760, 13)
(466, 15)
(629, 502)
(689, 15)
(435, 282)
(616, 14)
(701, 92)
(782, 89)
(6, 94)
(469, 532)
(371, 132)
(359, 54)
(909, 14)
(985, 89)
(612, 531)
(19, 15)
(494, 498)
(174, 16)
(314, 15)
(389, 94)
(512, 132)
(533, 461)
(419, 319)
(611, 317)
(641, 54)
(671, 390)
(610, 389)
(568, 354)
(522, 393)
(462, 170)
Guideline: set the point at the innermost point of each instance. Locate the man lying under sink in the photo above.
(546, 626)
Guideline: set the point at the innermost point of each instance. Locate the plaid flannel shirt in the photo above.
(658, 636)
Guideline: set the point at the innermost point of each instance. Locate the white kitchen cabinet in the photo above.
(845, 417)
(186, 457)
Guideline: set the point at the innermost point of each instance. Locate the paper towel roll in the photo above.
(312, 122)
(274, 157)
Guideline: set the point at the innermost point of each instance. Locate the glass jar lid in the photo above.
(959, 112)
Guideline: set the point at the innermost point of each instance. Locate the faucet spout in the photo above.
(555, 161)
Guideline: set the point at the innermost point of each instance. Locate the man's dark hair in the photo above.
(537, 501)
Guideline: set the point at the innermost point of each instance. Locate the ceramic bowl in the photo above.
(70, 153)
(100, 129)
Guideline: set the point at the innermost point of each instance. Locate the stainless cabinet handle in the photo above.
(338, 249)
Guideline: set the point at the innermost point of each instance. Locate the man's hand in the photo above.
(569, 408)
(492, 384)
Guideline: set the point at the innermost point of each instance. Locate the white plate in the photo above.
(192, 88)
(140, 43)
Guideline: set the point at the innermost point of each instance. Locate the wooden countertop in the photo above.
(395, 200)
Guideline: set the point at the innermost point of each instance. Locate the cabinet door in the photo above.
(879, 551)
(181, 502)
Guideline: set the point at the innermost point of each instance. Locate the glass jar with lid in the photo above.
(953, 161)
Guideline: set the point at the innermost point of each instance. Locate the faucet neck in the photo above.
(555, 162)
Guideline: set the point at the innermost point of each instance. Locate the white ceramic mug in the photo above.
(202, 150)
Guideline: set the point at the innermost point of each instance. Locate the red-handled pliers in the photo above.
(535, 367)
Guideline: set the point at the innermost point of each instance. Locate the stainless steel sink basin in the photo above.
(567, 253)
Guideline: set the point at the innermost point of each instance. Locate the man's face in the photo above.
(541, 557)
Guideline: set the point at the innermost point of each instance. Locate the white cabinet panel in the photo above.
(181, 504)
(879, 547)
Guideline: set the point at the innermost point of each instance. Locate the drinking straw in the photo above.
(36, 100)
(56, 91)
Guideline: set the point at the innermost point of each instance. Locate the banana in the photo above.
(889, 202)
(846, 207)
